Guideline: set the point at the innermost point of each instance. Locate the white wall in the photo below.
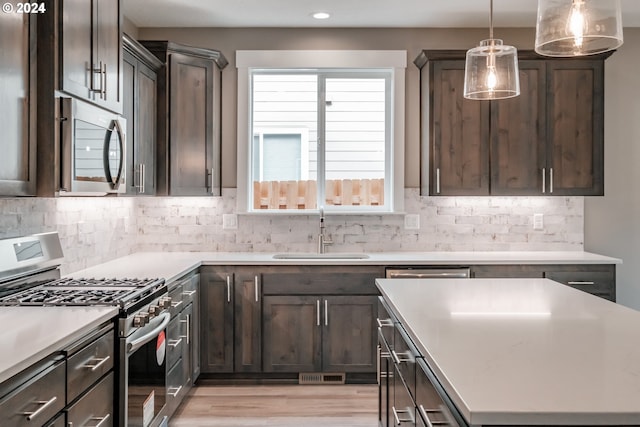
(612, 222)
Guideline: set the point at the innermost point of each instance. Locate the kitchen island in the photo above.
(522, 351)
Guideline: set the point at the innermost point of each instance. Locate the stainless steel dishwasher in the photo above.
(428, 273)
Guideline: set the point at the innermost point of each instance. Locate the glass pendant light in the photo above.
(578, 27)
(491, 69)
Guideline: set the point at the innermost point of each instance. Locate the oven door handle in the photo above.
(139, 342)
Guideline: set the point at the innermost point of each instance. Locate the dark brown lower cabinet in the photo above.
(216, 334)
(292, 334)
(248, 321)
(596, 279)
(307, 333)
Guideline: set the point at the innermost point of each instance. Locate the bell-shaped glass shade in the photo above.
(491, 71)
(578, 27)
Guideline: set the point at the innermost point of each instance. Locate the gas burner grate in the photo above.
(52, 296)
(109, 283)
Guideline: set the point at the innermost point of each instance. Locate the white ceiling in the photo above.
(345, 13)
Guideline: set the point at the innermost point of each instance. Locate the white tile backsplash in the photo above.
(94, 230)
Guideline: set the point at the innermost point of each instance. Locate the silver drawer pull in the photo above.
(44, 405)
(101, 420)
(174, 343)
(408, 418)
(581, 283)
(188, 293)
(176, 304)
(97, 365)
(425, 412)
(385, 323)
(401, 358)
(385, 354)
(173, 391)
(228, 289)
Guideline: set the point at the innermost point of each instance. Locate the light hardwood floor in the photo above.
(281, 405)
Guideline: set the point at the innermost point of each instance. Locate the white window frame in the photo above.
(291, 59)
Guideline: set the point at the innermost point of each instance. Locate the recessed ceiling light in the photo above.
(321, 15)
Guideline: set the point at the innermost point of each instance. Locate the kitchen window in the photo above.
(317, 130)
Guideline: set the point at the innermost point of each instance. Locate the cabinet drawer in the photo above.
(175, 385)
(386, 323)
(404, 357)
(89, 364)
(322, 281)
(403, 409)
(600, 283)
(175, 342)
(37, 401)
(95, 407)
(189, 290)
(177, 303)
(430, 407)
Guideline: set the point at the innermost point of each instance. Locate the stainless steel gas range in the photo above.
(30, 276)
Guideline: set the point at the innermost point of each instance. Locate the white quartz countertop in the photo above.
(171, 265)
(31, 333)
(524, 351)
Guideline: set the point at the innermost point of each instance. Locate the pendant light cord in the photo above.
(491, 19)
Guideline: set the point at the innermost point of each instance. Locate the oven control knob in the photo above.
(141, 319)
(165, 301)
(154, 310)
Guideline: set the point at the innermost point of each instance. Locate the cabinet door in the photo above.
(108, 52)
(350, 334)
(191, 126)
(185, 334)
(292, 334)
(130, 113)
(575, 126)
(216, 333)
(18, 162)
(194, 330)
(518, 136)
(76, 34)
(248, 322)
(146, 128)
(459, 135)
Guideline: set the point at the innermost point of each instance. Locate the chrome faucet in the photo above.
(322, 240)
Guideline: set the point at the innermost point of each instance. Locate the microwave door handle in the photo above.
(134, 345)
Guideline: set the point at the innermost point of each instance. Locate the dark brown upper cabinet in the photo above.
(17, 112)
(547, 141)
(140, 70)
(189, 138)
(91, 51)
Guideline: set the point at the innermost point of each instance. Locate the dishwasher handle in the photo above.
(435, 273)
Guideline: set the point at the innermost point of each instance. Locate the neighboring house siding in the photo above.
(355, 120)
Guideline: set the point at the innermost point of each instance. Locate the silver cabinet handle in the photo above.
(186, 322)
(174, 343)
(318, 312)
(210, 175)
(255, 281)
(142, 175)
(401, 358)
(173, 391)
(424, 413)
(581, 283)
(97, 365)
(228, 289)
(176, 304)
(188, 293)
(407, 419)
(188, 328)
(550, 180)
(326, 313)
(385, 323)
(103, 85)
(544, 180)
(437, 180)
(95, 71)
(44, 404)
(102, 420)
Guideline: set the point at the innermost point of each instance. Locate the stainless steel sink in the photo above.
(336, 255)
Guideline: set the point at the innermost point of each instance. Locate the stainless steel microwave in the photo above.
(93, 147)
